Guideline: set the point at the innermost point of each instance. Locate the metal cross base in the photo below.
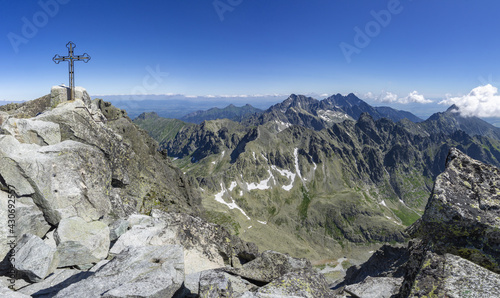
(71, 58)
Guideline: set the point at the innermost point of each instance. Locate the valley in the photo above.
(308, 178)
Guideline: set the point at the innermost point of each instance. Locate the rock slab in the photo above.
(136, 272)
(34, 258)
(80, 243)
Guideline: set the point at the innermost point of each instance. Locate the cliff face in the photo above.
(456, 247)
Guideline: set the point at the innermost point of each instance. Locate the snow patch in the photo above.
(264, 157)
(297, 169)
(222, 154)
(262, 222)
(233, 185)
(332, 116)
(288, 175)
(232, 205)
(282, 125)
(262, 185)
(383, 203)
(213, 162)
(249, 227)
(254, 158)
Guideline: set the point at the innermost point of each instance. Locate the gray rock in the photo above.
(49, 239)
(140, 176)
(192, 282)
(99, 265)
(79, 181)
(269, 266)
(452, 276)
(300, 283)
(5, 231)
(12, 175)
(136, 272)
(376, 287)
(29, 218)
(5, 292)
(34, 258)
(61, 94)
(33, 131)
(141, 220)
(70, 178)
(462, 215)
(3, 117)
(60, 279)
(215, 284)
(81, 243)
(50, 286)
(206, 246)
(140, 235)
(117, 228)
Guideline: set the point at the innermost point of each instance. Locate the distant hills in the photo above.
(230, 112)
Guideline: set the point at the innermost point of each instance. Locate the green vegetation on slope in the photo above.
(160, 129)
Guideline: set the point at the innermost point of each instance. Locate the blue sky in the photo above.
(197, 47)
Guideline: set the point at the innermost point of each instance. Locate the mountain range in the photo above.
(230, 112)
(324, 176)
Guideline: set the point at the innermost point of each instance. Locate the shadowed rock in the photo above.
(148, 271)
(34, 258)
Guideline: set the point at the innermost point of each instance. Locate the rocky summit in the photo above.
(91, 208)
(455, 245)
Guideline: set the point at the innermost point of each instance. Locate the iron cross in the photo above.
(71, 58)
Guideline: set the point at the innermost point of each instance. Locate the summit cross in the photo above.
(71, 58)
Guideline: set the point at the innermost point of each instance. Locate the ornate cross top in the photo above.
(71, 58)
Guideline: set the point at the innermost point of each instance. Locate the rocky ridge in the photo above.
(455, 250)
(100, 213)
(230, 112)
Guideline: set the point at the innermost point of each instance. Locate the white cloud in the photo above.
(416, 97)
(482, 101)
(389, 97)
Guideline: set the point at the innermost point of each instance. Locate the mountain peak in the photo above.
(148, 115)
(454, 108)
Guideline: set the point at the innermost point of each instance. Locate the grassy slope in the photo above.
(161, 129)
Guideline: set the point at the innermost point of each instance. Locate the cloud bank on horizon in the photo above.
(389, 97)
(482, 101)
